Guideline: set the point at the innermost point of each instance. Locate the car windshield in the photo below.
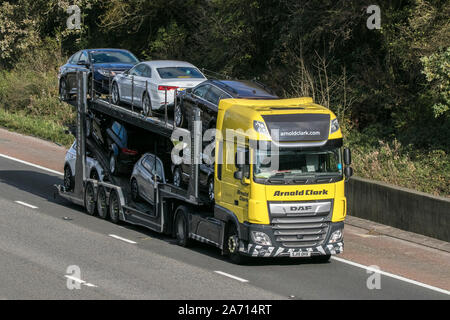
(113, 57)
(179, 73)
(294, 162)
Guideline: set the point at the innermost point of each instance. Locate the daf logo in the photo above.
(300, 208)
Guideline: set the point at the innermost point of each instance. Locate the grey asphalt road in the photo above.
(37, 245)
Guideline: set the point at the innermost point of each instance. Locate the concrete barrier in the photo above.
(398, 207)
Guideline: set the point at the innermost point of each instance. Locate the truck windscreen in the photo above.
(294, 162)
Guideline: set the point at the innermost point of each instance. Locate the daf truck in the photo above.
(279, 176)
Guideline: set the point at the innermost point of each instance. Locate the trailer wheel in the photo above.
(113, 164)
(68, 178)
(232, 243)
(63, 91)
(102, 203)
(114, 207)
(89, 199)
(182, 227)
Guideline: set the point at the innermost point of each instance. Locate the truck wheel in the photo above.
(114, 207)
(232, 243)
(102, 204)
(182, 227)
(321, 258)
(89, 199)
(68, 178)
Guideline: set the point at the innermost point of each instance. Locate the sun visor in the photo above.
(298, 127)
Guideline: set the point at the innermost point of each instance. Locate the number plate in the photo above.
(299, 254)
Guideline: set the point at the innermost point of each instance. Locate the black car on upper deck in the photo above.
(103, 64)
(207, 95)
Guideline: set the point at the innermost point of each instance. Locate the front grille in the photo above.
(297, 229)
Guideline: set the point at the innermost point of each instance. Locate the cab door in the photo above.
(234, 194)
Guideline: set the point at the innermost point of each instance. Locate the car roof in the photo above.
(105, 49)
(168, 63)
(243, 89)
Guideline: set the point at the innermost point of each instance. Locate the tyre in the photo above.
(177, 177)
(68, 179)
(63, 90)
(321, 258)
(178, 115)
(115, 95)
(211, 189)
(102, 204)
(146, 105)
(182, 227)
(90, 199)
(94, 175)
(113, 164)
(114, 207)
(134, 190)
(88, 126)
(232, 243)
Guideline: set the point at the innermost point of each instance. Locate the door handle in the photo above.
(236, 202)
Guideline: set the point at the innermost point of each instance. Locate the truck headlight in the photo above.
(334, 126)
(260, 127)
(336, 236)
(261, 238)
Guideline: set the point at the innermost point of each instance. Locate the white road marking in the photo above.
(231, 276)
(123, 239)
(26, 204)
(417, 283)
(81, 281)
(31, 164)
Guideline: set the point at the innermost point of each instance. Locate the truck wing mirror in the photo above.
(238, 175)
(347, 157)
(348, 171)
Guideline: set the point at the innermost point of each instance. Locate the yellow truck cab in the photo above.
(279, 176)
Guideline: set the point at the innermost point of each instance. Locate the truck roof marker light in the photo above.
(334, 126)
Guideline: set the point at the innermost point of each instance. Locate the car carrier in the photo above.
(251, 216)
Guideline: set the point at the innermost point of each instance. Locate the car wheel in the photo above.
(179, 116)
(102, 204)
(211, 190)
(113, 164)
(68, 179)
(114, 207)
(177, 177)
(233, 245)
(115, 95)
(182, 227)
(146, 105)
(134, 190)
(63, 91)
(94, 175)
(89, 199)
